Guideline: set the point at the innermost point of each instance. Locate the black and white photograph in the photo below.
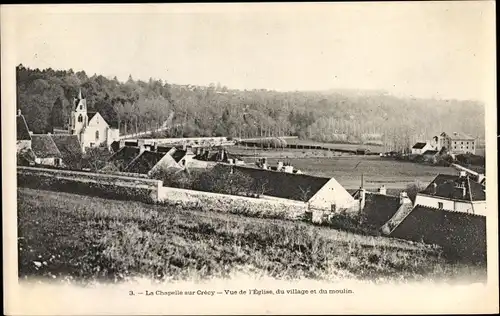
(334, 143)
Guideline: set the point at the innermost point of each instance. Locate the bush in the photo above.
(413, 188)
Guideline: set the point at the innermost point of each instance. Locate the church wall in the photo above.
(97, 124)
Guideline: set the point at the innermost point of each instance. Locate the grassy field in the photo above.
(376, 171)
(373, 148)
(75, 238)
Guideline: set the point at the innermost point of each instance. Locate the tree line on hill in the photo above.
(46, 97)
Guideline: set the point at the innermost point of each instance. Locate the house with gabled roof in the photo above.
(460, 235)
(318, 192)
(45, 150)
(149, 161)
(120, 160)
(70, 149)
(420, 147)
(454, 193)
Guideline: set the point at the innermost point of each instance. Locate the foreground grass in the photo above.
(72, 237)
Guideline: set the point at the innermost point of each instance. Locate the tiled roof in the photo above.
(298, 187)
(124, 156)
(145, 162)
(419, 145)
(446, 187)
(44, 147)
(459, 135)
(379, 208)
(22, 128)
(69, 146)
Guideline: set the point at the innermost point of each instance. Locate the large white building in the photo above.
(454, 193)
(90, 127)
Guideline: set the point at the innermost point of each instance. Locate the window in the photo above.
(92, 144)
(96, 135)
(57, 161)
(440, 205)
(81, 106)
(80, 118)
(462, 143)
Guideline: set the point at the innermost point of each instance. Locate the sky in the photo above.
(421, 49)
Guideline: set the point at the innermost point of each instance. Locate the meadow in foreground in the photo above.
(79, 238)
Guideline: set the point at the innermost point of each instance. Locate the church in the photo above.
(91, 128)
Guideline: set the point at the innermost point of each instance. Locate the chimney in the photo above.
(280, 165)
(382, 190)
(19, 112)
(403, 198)
(362, 198)
(463, 174)
(142, 148)
(289, 169)
(464, 191)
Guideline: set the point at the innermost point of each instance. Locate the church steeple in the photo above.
(79, 117)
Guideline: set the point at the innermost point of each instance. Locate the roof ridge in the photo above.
(446, 211)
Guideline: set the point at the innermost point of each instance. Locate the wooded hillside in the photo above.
(45, 98)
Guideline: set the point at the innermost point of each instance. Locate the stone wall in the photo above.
(254, 207)
(88, 183)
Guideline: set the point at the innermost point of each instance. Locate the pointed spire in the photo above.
(80, 94)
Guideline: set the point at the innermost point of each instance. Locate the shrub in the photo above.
(413, 188)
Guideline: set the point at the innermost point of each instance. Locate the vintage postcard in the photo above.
(291, 158)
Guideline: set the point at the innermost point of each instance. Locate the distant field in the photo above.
(67, 237)
(376, 171)
(372, 148)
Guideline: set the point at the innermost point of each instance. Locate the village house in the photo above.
(145, 160)
(457, 143)
(454, 193)
(421, 147)
(45, 149)
(91, 128)
(149, 161)
(378, 208)
(460, 235)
